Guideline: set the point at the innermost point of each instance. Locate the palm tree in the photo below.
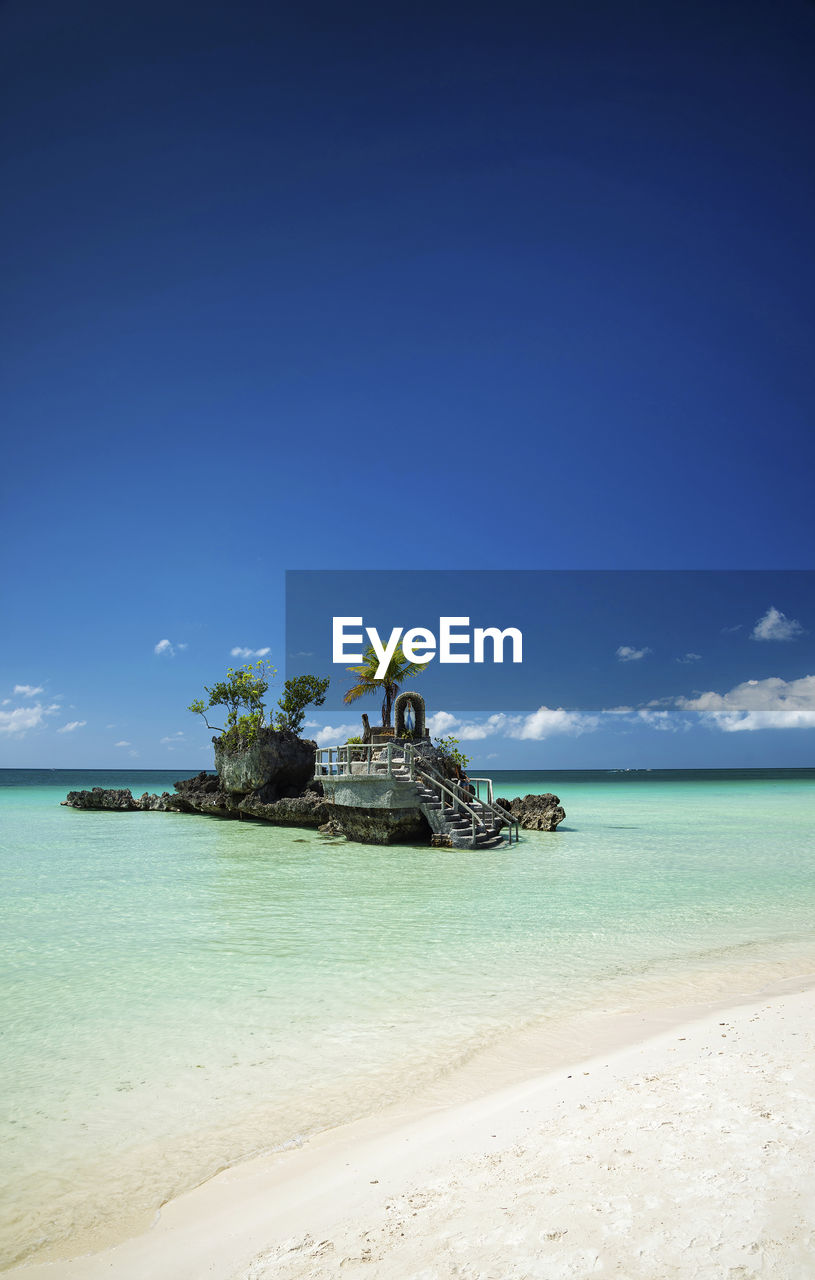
(398, 670)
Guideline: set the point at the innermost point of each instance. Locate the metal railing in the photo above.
(458, 803)
(478, 783)
(498, 811)
(361, 759)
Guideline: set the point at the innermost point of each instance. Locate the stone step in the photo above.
(481, 842)
(494, 842)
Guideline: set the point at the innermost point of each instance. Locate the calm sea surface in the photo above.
(181, 992)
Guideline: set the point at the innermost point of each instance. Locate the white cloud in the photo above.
(543, 723)
(71, 725)
(28, 690)
(239, 652)
(21, 719)
(691, 657)
(174, 737)
(758, 704)
(440, 723)
(664, 721)
(164, 649)
(775, 625)
(547, 721)
(474, 730)
(626, 653)
(121, 744)
(334, 735)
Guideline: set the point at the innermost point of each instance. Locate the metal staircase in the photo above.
(452, 811)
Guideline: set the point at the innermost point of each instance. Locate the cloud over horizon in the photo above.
(537, 725)
(547, 721)
(239, 652)
(758, 704)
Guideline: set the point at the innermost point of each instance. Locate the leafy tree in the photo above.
(398, 670)
(242, 694)
(449, 749)
(299, 693)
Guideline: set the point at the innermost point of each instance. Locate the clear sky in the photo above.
(429, 286)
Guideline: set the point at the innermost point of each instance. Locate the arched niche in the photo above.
(400, 708)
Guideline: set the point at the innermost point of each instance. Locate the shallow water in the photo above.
(180, 992)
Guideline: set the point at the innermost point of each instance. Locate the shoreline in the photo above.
(313, 1206)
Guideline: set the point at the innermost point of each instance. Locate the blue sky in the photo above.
(516, 287)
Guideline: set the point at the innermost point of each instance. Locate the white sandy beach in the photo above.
(689, 1152)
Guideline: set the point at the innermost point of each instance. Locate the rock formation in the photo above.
(99, 798)
(272, 780)
(204, 794)
(276, 764)
(535, 813)
(380, 826)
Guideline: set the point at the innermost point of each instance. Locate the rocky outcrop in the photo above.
(205, 794)
(330, 828)
(307, 810)
(273, 781)
(99, 798)
(158, 803)
(535, 813)
(276, 764)
(380, 826)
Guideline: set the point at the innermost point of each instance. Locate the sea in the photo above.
(180, 993)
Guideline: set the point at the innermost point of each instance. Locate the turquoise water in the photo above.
(181, 992)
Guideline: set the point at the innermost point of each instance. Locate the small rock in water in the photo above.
(535, 813)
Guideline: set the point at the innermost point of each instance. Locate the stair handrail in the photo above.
(452, 789)
(497, 811)
(457, 800)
